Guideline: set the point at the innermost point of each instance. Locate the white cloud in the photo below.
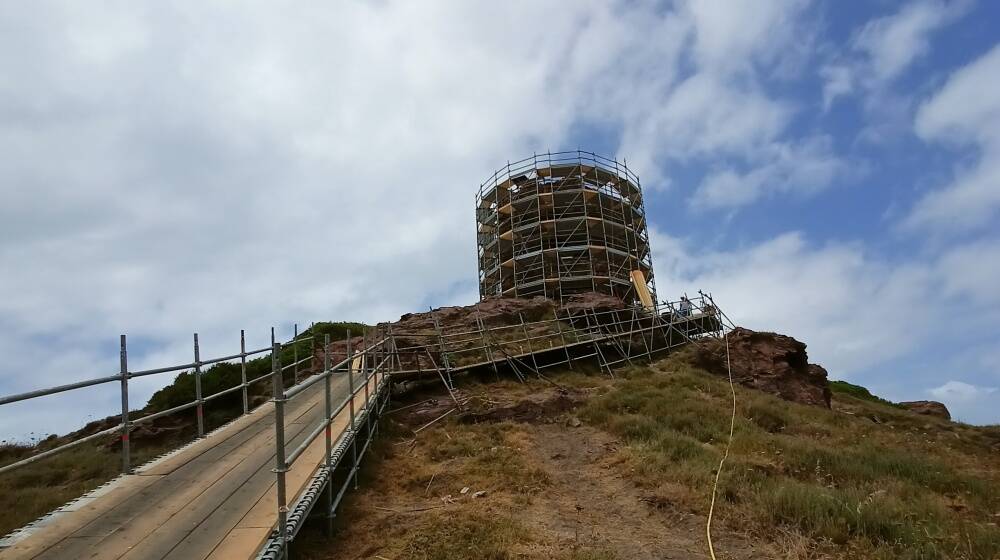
(972, 271)
(799, 169)
(173, 168)
(838, 81)
(892, 43)
(863, 318)
(718, 109)
(881, 52)
(760, 31)
(964, 113)
(960, 392)
(853, 311)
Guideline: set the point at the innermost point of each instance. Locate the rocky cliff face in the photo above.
(927, 408)
(770, 362)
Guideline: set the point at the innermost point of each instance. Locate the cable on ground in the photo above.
(718, 472)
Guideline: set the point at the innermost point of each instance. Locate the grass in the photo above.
(863, 480)
(475, 535)
(450, 456)
(29, 492)
(858, 392)
(907, 487)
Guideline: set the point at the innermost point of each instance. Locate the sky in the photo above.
(827, 170)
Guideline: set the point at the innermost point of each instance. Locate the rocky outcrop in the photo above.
(927, 408)
(770, 362)
(492, 311)
(592, 303)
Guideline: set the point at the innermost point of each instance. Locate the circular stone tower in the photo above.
(564, 223)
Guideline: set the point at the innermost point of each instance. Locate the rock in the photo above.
(574, 422)
(479, 494)
(523, 411)
(927, 408)
(592, 302)
(465, 490)
(770, 362)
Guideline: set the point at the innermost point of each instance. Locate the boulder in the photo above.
(592, 302)
(927, 408)
(770, 362)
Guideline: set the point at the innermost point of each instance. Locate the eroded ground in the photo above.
(552, 487)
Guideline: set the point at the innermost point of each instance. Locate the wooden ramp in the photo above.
(212, 499)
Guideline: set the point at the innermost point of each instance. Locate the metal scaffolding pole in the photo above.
(126, 425)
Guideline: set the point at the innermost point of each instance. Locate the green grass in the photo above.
(32, 491)
(885, 490)
(478, 536)
(220, 377)
(858, 392)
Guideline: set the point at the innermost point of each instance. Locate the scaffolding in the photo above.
(564, 223)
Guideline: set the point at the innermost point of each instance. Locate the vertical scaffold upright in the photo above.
(564, 223)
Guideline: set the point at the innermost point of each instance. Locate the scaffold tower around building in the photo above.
(564, 223)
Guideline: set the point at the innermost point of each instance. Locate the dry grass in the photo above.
(32, 491)
(877, 482)
(865, 480)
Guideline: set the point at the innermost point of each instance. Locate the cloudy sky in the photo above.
(171, 168)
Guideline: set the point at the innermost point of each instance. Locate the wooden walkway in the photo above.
(214, 499)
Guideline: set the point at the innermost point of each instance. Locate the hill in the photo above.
(585, 467)
(580, 465)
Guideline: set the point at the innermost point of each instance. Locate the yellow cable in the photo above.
(732, 425)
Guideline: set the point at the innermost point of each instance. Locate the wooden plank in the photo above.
(239, 543)
(171, 492)
(213, 530)
(160, 528)
(188, 454)
(641, 289)
(254, 472)
(217, 502)
(258, 516)
(64, 549)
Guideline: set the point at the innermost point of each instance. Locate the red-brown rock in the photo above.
(770, 362)
(927, 408)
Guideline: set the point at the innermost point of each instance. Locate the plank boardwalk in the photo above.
(212, 499)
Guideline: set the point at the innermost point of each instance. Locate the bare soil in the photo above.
(553, 488)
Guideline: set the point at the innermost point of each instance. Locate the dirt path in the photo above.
(553, 489)
(590, 503)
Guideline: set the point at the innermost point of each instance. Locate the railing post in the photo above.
(531, 347)
(562, 338)
(197, 387)
(350, 397)
(126, 425)
(365, 366)
(295, 354)
(280, 468)
(329, 435)
(243, 369)
(313, 342)
(444, 354)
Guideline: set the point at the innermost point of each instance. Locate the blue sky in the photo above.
(828, 170)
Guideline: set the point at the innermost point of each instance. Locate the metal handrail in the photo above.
(285, 459)
(126, 424)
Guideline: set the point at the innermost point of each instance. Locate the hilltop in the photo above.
(582, 465)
